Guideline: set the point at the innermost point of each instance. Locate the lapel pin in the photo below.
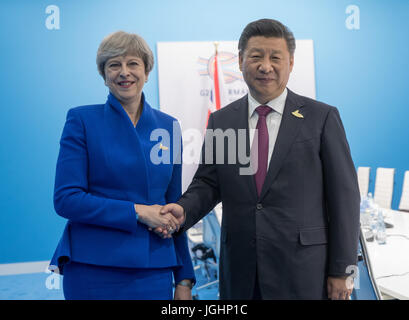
(297, 114)
(163, 147)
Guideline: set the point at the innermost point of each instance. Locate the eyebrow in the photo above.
(255, 50)
(262, 51)
(112, 60)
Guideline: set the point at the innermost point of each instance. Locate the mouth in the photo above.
(265, 80)
(125, 84)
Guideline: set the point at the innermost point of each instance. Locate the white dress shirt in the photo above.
(273, 119)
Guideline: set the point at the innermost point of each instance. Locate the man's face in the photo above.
(266, 65)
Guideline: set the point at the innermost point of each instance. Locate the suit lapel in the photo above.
(289, 128)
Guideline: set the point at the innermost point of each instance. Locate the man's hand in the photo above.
(337, 288)
(179, 215)
(151, 216)
(176, 210)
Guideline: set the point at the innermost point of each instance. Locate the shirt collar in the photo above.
(277, 104)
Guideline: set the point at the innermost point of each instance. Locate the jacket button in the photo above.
(259, 206)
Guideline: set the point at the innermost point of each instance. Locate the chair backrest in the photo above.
(363, 180)
(404, 200)
(384, 187)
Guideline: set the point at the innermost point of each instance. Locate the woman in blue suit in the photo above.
(113, 175)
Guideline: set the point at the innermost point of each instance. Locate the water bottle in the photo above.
(364, 203)
(380, 229)
(373, 217)
(365, 209)
(370, 200)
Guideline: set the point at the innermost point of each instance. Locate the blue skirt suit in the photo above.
(105, 165)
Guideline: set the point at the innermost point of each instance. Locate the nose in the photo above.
(124, 71)
(265, 65)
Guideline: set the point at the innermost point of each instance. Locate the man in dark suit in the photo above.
(289, 231)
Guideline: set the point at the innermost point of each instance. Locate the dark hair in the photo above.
(267, 28)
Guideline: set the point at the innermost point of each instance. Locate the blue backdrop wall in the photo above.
(45, 72)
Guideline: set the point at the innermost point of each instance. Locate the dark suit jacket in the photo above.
(103, 168)
(305, 224)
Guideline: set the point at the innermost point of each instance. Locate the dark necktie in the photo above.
(262, 158)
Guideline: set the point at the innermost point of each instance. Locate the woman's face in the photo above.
(125, 77)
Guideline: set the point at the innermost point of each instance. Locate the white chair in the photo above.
(384, 187)
(404, 200)
(363, 180)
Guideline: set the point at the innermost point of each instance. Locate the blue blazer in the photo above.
(104, 167)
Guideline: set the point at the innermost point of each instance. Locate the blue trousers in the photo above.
(90, 282)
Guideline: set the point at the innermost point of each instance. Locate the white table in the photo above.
(390, 262)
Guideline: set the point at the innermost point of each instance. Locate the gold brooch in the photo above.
(297, 114)
(163, 147)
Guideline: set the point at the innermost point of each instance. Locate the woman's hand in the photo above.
(182, 293)
(151, 216)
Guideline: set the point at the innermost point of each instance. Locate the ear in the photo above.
(240, 61)
(291, 62)
(146, 77)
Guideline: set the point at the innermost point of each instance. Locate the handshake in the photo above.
(163, 220)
